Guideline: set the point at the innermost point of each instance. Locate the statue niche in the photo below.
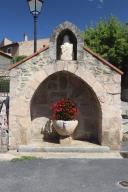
(66, 49)
(66, 46)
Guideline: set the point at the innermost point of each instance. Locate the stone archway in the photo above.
(25, 134)
(65, 84)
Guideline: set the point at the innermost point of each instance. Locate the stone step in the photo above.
(44, 155)
(37, 140)
(64, 149)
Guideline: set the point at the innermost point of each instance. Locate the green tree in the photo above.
(109, 38)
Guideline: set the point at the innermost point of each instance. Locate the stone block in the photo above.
(117, 78)
(111, 139)
(65, 140)
(50, 69)
(113, 88)
(72, 67)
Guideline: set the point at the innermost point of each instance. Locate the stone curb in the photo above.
(51, 155)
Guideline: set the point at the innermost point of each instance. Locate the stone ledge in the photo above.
(63, 149)
(52, 155)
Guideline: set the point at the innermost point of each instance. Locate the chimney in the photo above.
(25, 37)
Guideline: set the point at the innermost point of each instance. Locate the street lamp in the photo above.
(35, 9)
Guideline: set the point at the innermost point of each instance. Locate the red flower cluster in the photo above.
(64, 109)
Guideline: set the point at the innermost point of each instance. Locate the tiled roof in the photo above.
(12, 44)
(5, 54)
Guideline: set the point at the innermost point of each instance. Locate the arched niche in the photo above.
(72, 39)
(75, 36)
(66, 84)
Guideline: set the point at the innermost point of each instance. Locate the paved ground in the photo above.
(71, 175)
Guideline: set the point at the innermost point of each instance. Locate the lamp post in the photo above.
(35, 7)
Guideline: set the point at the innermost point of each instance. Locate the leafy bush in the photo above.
(18, 58)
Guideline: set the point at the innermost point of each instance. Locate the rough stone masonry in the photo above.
(42, 78)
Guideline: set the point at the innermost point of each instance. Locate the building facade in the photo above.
(15, 49)
(5, 61)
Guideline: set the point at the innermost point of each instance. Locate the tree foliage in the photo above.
(109, 38)
(18, 58)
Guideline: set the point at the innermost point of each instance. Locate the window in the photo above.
(4, 84)
(9, 50)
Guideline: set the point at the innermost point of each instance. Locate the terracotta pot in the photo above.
(65, 128)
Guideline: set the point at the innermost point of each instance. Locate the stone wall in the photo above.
(95, 86)
(28, 77)
(26, 47)
(14, 49)
(4, 63)
(124, 108)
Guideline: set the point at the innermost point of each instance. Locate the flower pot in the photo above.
(65, 128)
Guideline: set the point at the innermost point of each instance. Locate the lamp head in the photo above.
(35, 6)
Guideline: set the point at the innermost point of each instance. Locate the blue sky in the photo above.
(15, 19)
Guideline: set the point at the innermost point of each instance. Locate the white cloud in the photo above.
(101, 1)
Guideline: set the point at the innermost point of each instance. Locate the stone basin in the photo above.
(65, 128)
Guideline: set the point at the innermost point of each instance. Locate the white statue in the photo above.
(66, 49)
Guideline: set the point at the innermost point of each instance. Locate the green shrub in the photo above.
(18, 58)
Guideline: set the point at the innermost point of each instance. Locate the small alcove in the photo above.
(72, 39)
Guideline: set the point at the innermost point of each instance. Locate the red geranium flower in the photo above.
(64, 109)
